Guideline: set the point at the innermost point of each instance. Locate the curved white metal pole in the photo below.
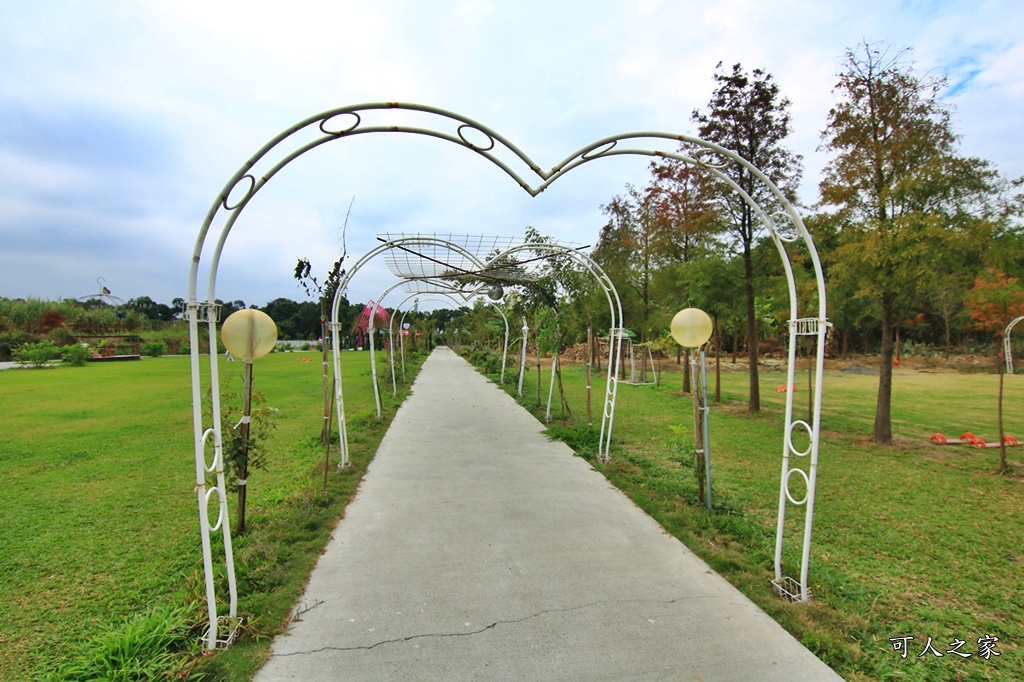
(370, 327)
(797, 327)
(504, 352)
(1007, 348)
(522, 357)
(614, 340)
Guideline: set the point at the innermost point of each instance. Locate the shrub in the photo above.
(158, 645)
(49, 320)
(185, 348)
(61, 336)
(37, 354)
(241, 453)
(154, 349)
(76, 354)
(10, 340)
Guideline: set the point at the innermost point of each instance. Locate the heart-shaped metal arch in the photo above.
(345, 122)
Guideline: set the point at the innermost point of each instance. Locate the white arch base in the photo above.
(777, 215)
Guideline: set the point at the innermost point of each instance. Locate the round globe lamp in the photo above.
(495, 292)
(248, 334)
(691, 327)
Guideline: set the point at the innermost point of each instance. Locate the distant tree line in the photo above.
(66, 321)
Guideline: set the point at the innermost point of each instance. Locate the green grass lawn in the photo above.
(99, 511)
(911, 540)
(99, 520)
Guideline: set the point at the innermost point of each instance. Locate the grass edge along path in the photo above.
(913, 541)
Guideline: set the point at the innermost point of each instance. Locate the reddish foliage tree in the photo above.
(995, 300)
(48, 321)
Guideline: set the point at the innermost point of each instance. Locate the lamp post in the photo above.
(248, 334)
(691, 328)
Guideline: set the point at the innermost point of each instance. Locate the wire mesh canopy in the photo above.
(435, 286)
(446, 261)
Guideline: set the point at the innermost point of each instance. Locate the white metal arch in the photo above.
(335, 325)
(453, 297)
(614, 304)
(1007, 348)
(370, 328)
(465, 295)
(780, 219)
(615, 334)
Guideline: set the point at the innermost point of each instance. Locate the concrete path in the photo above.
(476, 549)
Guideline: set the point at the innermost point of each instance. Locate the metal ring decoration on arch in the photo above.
(778, 217)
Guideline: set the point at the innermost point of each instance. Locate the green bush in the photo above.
(76, 354)
(157, 645)
(244, 453)
(154, 349)
(10, 340)
(61, 336)
(185, 348)
(37, 354)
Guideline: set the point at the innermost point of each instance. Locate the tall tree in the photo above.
(899, 186)
(627, 250)
(748, 116)
(681, 200)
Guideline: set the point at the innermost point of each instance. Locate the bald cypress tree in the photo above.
(902, 193)
(748, 116)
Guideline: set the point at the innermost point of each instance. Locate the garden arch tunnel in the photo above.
(454, 298)
(471, 265)
(778, 216)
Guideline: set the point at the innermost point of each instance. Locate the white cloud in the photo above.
(179, 95)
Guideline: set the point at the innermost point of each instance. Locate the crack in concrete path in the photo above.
(400, 640)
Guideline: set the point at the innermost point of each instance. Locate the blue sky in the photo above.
(120, 122)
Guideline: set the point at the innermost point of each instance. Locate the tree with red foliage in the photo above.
(995, 300)
(48, 321)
